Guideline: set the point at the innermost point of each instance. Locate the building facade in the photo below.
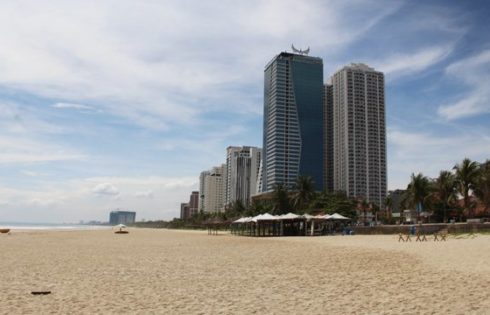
(184, 211)
(293, 121)
(122, 217)
(242, 168)
(359, 133)
(328, 147)
(190, 208)
(194, 203)
(212, 189)
(202, 176)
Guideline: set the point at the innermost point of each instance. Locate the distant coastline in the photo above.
(51, 226)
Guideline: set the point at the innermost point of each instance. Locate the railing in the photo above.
(424, 228)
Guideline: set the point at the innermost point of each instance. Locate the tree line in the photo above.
(456, 193)
(463, 192)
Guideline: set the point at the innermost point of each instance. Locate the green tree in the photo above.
(364, 207)
(304, 193)
(258, 207)
(482, 190)
(374, 209)
(235, 209)
(336, 202)
(445, 190)
(418, 191)
(388, 206)
(467, 173)
(280, 200)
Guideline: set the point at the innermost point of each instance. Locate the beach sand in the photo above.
(188, 272)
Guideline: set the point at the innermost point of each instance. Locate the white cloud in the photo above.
(413, 152)
(17, 150)
(71, 106)
(474, 72)
(156, 63)
(18, 119)
(408, 63)
(144, 194)
(30, 173)
(105, 189)
(78, 199)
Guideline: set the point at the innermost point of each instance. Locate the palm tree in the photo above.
(364, 205)
(304, 192)
(280, 200)
(258, 207)
(445, 188)
(375, 209)
(482, 190)
(235, 208)
(417, 192)
(467, 173)
(388, 206)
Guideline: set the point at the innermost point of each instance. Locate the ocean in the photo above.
(51, 226)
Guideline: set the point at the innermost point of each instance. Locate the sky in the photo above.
(121, 104)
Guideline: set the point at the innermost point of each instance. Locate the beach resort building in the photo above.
(212, 189)
(122, 217)
(293, 120)
(359, 133)
(242, 168)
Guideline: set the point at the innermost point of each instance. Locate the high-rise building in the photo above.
(212, 189)
(328, 137)
(359, 133)
(293, 119)
(184, 211)
(202, 176)
(242, 167)
(122, 217)
(190, 208)
(194, 203)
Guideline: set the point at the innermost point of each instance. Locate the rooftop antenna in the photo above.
(300, 51)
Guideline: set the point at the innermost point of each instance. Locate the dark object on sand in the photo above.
(4, 230)
(122, 229)
(40, 292)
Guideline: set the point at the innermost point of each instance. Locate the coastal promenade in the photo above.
(190, 272)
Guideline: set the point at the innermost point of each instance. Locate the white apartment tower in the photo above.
(242, 169)
(359, 133)
(211, 189)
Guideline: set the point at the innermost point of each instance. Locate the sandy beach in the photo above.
(189, 272)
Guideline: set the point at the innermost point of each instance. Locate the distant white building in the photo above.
(212, 189)
(242, 169)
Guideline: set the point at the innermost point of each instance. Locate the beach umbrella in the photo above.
(264, 217)
(337, 216)
(308, 216)
(290, 216)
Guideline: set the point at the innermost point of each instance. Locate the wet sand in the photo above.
(188, 272)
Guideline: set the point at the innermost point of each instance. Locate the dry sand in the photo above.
(182, 272)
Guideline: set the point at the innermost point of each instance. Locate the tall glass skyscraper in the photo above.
(293, 121)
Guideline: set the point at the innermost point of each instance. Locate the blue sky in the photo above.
(120, 104)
